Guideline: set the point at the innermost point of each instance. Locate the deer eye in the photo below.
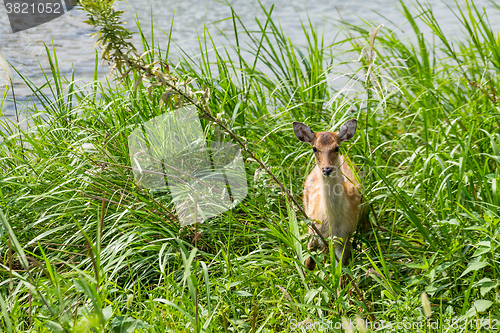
(315, 150)
(336, 149)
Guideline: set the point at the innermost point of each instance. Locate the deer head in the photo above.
(326, 145)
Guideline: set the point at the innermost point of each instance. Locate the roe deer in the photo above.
(331, 192)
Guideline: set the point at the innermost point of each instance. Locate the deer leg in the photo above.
(313, 245)
(343, 250)
(365, 219)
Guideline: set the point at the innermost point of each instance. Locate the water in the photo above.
(75, 48)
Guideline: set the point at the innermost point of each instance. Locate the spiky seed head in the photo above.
(360, 324)
(426, 305)
(5, 75)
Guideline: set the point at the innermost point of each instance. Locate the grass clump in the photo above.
(86, 249)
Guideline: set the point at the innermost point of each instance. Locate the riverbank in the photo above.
(70, 36)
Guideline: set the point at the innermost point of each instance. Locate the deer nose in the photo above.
(327, 171)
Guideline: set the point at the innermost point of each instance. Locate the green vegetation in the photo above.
(84, 249)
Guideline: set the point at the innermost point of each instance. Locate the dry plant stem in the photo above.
(358, 291)
(94, 264)
(119, 58)
(479, 86)
(75, 312)
(492, 97)
(169, 213)
(155, 74)
(195, 218)
(46, 304)
(11, 283)
(196, 309)
(224, 321)
(17, 116)
(101, 222)
(98, 162)
(55, 244)
(44, 301)
(68, 252)
(30, 308)
(150, 74)
(362, 297)
(254, 316)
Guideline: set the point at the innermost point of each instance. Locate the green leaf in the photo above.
(486, 285)
(310, 295)
(15, 242)
(107, 312)
(474, 267)
(234, 284)
(54, 327)
(478, 307)
(122, 324)
(242, 293)
(389, 295)
(5, 314)
(483, 247)
(444, 266)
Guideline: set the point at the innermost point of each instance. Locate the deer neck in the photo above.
(333, 193)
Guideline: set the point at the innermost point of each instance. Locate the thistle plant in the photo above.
(122, 55)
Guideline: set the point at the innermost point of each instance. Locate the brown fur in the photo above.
(333, 200)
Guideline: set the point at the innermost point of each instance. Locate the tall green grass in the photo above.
(84, 249)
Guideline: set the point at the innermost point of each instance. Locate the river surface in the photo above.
(75, 48)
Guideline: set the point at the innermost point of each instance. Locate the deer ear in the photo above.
(303, 132)
(347, 130)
